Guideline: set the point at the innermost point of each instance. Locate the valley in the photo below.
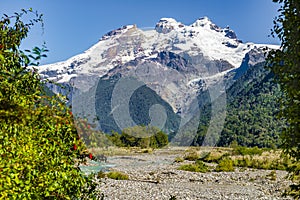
(155, 175)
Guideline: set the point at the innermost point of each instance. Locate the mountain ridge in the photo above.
(184, 31)
(202, 45)
(178, 62)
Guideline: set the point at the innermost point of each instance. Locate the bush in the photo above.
(140, 136)
(202, 165)
(244, 162)
(117, 175)
(214, 157)
(39, 145)
(101, 174)
(262, 163)
(198, 166)
(272, 176)
(191, 156)
(239, 150)
(225, 165)
(178, 159)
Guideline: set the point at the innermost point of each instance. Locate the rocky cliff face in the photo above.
(176, 61)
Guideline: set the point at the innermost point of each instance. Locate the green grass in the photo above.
(178, 159)
(117, 175)
(198, 166)
(225, 165)
(239, 150)
(261, 163)
(101, 174)
(214, 156)
(272, 176)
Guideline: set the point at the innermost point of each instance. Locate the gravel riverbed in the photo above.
(155, 176)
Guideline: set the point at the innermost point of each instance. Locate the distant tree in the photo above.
(285, 64)
(39, 145)
(140, 136)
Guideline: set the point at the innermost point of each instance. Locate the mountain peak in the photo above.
(205, 22)
(166, 25)
(201, 22)
(202, 39)
(117, 31)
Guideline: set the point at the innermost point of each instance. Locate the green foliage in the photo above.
(225, 165)
(39, 144)
(248, 158)
(252, 108)
(251, 111)
(101, 174)
(214, 157)
(117, 175)
(239, 150)
(92, 138)
(267, 162)
(285, 64)
(272, 175)
(113, 175)
(189, 167)
(178, 159)
(198, 166)
(140, 136)
(115, 138)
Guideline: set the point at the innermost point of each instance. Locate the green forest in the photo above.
(252, 111)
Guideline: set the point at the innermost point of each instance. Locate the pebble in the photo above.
(239, 185)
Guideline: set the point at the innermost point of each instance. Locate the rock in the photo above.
(187, 185)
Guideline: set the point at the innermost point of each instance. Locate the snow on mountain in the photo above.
(128, 43)
(177, 55)
(166, 25)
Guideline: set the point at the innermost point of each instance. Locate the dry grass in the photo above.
(112, 151)
(268, 159)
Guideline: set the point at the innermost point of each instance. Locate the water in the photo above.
(95, 167)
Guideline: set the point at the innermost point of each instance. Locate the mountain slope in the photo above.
(252, 108)
(186, 52)
(177, 70)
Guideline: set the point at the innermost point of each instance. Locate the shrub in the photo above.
(225, 165)
(92, 138)
(239, 150)
(140, 136)
(115, 138)
(202, 165)
(261, 163)
(214, 157)
(234, 144)
(272, 176)
(117, 175)
(178, 159)
(101, 174)
(189, 167)
(191, 156)
(244, 162)
(39, 145)
(198, 166)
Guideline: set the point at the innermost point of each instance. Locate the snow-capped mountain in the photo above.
(129, 42)
(176, 61)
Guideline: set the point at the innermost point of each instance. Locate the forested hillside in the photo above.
(252, 107)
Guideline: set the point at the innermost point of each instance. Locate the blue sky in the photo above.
(72, 26)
